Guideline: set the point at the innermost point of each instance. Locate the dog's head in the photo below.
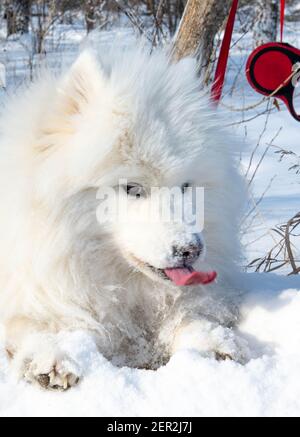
(129, 129)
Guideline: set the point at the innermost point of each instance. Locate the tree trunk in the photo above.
(267, 15)
(92, 13)
(201, 21)
(17, 13)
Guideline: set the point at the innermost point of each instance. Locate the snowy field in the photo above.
(189, 385)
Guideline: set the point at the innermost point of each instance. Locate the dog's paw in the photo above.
(221, 356)
(227, 345)
(61, 376)
(42, 362)
(212, 341)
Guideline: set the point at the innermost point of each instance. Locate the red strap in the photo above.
(217, 88)
(282, 2)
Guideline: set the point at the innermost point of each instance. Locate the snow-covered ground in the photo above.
(189, 384)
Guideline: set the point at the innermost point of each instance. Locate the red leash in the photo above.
(282, 3)
(217, 88)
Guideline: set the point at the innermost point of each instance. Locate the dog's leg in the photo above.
(211, 340)
(36, 356)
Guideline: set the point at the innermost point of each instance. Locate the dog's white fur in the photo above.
(131, 116)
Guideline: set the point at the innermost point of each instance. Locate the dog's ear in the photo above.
(85, 82)
(82, 83)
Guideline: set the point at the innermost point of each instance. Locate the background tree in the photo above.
(266, 22)
(17, 13)
(201, 21)
(92, 13)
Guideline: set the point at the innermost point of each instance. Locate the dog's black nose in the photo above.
(187, 254)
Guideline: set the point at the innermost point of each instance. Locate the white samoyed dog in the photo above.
(143, 289)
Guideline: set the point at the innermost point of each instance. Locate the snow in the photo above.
(189, 385)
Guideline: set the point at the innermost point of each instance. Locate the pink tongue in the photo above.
(183, 277)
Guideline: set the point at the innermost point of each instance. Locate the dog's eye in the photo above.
(135, 190)
(185, 186)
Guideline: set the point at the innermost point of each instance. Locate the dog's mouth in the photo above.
(180, 276)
